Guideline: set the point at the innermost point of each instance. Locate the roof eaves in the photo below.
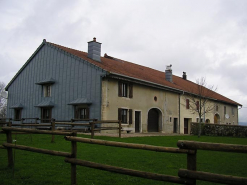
(140, 81)
(27, 62)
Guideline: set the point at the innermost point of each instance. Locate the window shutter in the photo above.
(87, 113)
(50, 113)
(130, 90)
(120, 114)
(130, 116)
(197, 105)
(187, 103)
(119, 89)
(76, 113)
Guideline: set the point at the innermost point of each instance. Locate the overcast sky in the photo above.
(203, 38)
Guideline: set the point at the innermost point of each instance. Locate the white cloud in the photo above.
(203, 38)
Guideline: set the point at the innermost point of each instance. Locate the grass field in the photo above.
(33, 168)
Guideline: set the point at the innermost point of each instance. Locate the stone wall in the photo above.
(219, 130)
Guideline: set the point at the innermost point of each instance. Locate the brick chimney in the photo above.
(169, 73)
(94, 50)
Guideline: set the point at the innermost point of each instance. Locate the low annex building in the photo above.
(64, 83)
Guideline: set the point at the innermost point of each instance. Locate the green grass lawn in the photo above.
(33, 168)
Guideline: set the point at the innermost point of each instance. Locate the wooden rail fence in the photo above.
(185, 176)
(53, 124)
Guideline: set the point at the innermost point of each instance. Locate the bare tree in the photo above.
(3, 101)
(198, 99)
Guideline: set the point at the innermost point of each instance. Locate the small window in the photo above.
(81, 112)
(233, 112)
(46, 114)
(17, 114)
(125, 89)
(124, 114)
(187, 103)
(216, 108)
(47, 90)
(224, 109)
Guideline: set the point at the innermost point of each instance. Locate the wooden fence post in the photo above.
(53, 129)
(73, 155)
(10, 123)
(9, 150)
(92, 129)
(191, 162)
(120, 128)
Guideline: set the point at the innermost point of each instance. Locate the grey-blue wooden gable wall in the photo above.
(74, 78)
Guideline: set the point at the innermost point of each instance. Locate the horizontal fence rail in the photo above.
(136, 173)
(211, 177)
(2, 147)
(36, 131)
(129, 145)
(38, 150)
(183, 144)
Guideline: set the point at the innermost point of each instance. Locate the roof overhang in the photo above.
(80, 101)
(47, 103)
(17, 106)
(142, 82)
(46, 81)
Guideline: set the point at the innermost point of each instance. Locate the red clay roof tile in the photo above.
(129, 69)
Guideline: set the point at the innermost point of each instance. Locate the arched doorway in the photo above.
(154, 120)
(216, 119)
(207, 120)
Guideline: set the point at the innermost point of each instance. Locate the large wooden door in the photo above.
(153, 120)
(137, 121)
(186, 121)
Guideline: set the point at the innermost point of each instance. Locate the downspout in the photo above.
(179, 113)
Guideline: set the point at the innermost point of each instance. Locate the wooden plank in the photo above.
(75, 124)
(106, 128)
(193, 145)
(120, 128)
(53, 129)
(92, 129)
(31, 124)
(211, 177)
(9, 150)
(106, 121)
(128, 145)
(136, 173)
(73, 166)
(37, 150)
(191, 162)
(36, 131)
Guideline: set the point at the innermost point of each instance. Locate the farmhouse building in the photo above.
(63, 83)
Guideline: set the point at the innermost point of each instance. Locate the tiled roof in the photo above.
(121, 67)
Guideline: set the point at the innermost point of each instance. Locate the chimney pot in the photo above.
(94, 39)
(184, 76)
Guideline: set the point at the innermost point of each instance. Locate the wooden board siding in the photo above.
(74, 78)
